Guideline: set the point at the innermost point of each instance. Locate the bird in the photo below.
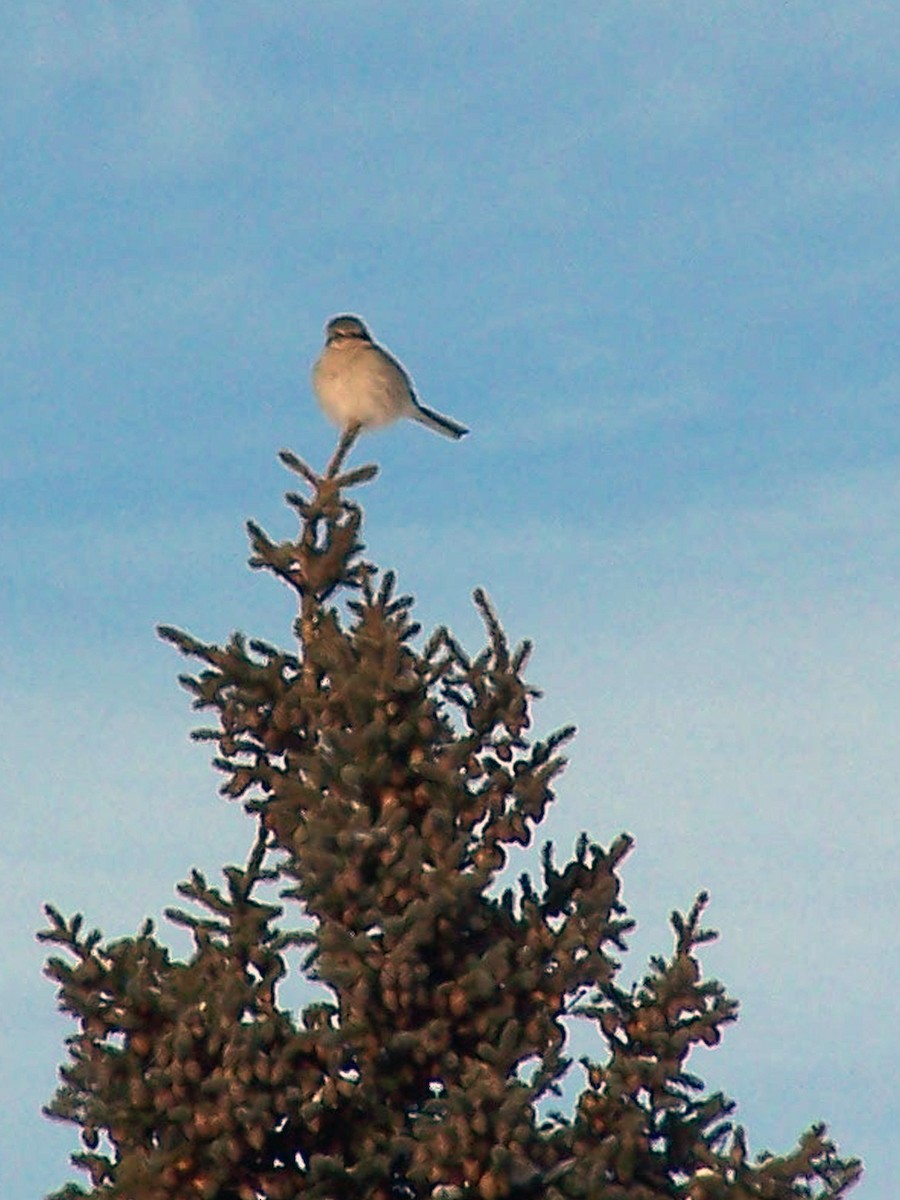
(360, 385)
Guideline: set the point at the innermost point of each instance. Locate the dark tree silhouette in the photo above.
(386, 784)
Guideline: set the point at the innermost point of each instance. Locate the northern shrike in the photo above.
(359, 384)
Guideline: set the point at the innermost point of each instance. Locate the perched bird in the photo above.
(360, 385)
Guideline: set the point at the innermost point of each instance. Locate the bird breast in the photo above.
(356, 384)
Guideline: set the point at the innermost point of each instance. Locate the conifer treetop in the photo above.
(388, 779)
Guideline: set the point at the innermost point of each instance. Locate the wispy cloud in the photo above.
(146, 81)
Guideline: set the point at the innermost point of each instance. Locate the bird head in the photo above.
(345, 327)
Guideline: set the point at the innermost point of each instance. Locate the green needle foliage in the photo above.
(387, 784)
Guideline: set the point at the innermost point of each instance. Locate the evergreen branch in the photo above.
(356, 476)
(189, 646)
(299, 467)
(345, 444)
(499, 643)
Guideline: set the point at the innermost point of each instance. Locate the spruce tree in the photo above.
(387, 779)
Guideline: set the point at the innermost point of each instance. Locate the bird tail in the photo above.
(438, 423)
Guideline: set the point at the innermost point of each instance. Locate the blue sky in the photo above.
(649, 254)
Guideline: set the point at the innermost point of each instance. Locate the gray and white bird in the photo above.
(360, 385)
